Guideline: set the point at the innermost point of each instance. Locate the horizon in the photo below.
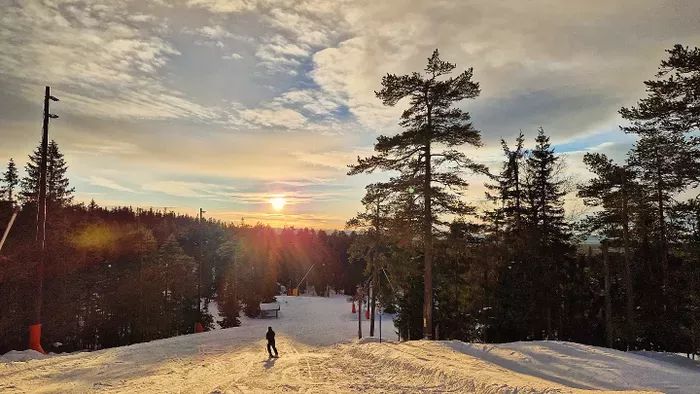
(229, 105)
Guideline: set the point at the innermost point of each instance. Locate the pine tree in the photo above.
(431, 121)
(58, 190)
(10, 179)
(667, 152)
(673, 101)
(615, 190)
(661, 159)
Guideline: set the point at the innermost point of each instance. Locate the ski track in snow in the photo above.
(318, 355)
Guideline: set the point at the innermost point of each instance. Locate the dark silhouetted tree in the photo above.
(58, 190)
(614, 189)
(10, 179)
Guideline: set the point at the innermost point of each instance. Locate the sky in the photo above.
(228, 105)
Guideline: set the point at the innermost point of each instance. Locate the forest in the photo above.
(627, 275)
(120, 276)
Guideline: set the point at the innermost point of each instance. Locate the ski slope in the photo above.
(318, 354)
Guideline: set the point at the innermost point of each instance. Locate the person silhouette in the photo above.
(271, 342)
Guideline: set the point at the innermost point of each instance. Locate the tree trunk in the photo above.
(372, 306)
(359, 315)
(427, 250)
(662, 223)
(629, 301)
(608, 301)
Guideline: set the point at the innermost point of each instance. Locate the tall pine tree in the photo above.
(614, 189)
(424, 154)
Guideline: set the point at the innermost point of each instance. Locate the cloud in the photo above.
(293, 29)
(223, 6)
(314, 101)
(190, 189)
(291, 197)
(233, 56)
(286, 219)
(283, 118)
(214, 32)
(108, 184)
(562, 72)
(333, 159)
(99, 60)
(147, 104)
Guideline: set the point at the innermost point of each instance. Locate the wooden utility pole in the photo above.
(360, 298)
(199, 265)
(198, 327)
(629, 287)
(35, 327)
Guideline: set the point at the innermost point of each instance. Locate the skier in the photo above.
(271, 342)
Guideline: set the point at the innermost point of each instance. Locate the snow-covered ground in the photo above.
(319, 355)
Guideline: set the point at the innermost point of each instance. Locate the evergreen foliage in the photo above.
(10, 179)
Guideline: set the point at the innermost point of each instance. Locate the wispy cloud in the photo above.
(190, 189)
(108, 184)
(279, 220)
(103, 61)
(291, 197)
(232, 56)
(281, 118)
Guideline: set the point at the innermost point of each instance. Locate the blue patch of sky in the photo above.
(592, 140)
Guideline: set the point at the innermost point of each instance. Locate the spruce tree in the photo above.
(58, 190)
(507, 241)
(507, 192)
(545, 190)
(549, 240)
(10, 179)
(425, 154)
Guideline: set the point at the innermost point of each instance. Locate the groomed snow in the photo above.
(319, 354)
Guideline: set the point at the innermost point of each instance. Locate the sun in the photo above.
(278, 203)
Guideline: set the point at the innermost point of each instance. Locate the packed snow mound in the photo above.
(22, 355)
(319, 354)
(590, 367)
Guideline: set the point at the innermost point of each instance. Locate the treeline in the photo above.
(521, 269)
(119, 276)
